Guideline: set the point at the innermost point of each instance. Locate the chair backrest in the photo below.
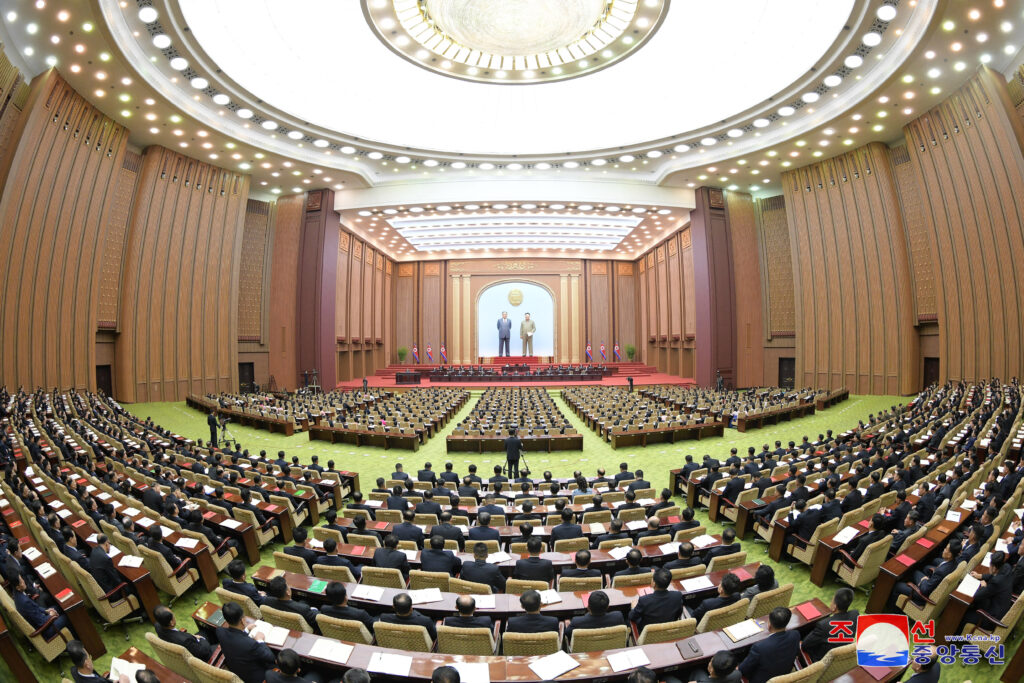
(402, 636)
(615, 543)
(408, 545)
(352, 514)
(764, 602)
(644, 579)
(463, 587)
(360, 539)
(572, 584)
(420, 579)
(422, 518)
(632, 515)
(838, 661)
(719, 618)
(730, 561)
(518, 548)
(688, 572)
(654, 540)
(250, 608)
(668, 631)
(527, 644)
(387, 577)
(207, 673)
(174, 657)
(597, 517)
(808, 674)
(349, 630)
(392, 516)
(332, 573)
(520, 586)
(291, 620)
(291, 563)
(871, 560)
(568, 545)
(465, 641)
(594, 639)
(323, 533)
(159, 570)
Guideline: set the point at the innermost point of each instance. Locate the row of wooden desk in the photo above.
(376, 438)
(271, 424)
(772, 416)
(486, 444)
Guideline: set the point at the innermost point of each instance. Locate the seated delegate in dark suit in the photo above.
(405, 614)
(300, 550)
(534, 567)
(685, 557)
(567, 529)
(391, 557)
(102, 567)
(395, 501)
(427, 474)
(466, 617)
(437, 559)
(582, 568)
(197, 646)
(82, 670)
(428, 506)
(287, 670)
(597, 615)
(815, 643)
(279, 597)
(331, 558)
(407, 531)
(237, 584)
(483, 531)
(480, 571)
(995, 595)
(633, 558)
(245, 656)
(447, 530)
(774, 655)
(926, 583)
(35, 615)
(533, 621)
(721, 669)
(615, 533)
(728, 547)
(660, 606)
(337, 606)
(728, 593)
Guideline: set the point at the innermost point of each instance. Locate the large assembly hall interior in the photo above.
(511, 341)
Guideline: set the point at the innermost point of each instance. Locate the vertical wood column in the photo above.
(715, 297)
(574, 327)
(564, 339)
(455, 350)
(469, 354)
(318, 273)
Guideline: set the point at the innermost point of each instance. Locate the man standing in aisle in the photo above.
(513, 446)
(211, 420)
(504, 332)
(526, 330)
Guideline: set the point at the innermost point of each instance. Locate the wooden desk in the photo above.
(137, 656)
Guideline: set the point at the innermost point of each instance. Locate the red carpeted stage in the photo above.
(619, 372)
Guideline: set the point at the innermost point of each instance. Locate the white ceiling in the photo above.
(323, 65)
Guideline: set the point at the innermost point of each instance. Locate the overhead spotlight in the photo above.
(147, 15)
(161, 41)
(886, 13)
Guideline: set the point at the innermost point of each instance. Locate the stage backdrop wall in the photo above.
(535, 300)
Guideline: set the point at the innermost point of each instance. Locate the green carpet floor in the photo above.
(656, 461)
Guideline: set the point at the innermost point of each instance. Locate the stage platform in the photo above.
(642, 375)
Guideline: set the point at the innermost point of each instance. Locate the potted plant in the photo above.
(630, 351)
(403, 351)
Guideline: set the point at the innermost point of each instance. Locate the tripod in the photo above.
(226, 436)
(523, 465)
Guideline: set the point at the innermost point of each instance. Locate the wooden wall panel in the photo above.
(13, 93)
(715, 296)
(180, 293)
(343, 305)
(369, 311)
(967, 157)
(284, 286)
(847, 235)
(317, 294)
(777, 257)
(747, 283)
(912, 203)
(355, 293)
(598, 294)
(627, 307)
(405, 305)
(113, 245)
(674, 298)
(57, 195)
(251, 280)
(689, 287)
(431, 310)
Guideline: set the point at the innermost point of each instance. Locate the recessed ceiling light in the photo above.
(147, 15)
(179, 63)
(430, 163)
(599, 162)
(320, 143)
(221, 99)
(735, 133)
(886, 13)
(32, 28)
(708, 141)
(974, 15)
(985, 58)
(681, 148)
(269, 125)
(570, 164)
(626, 158)
(948, 25)
(514, 166)
(200, 83)
(761, 123)
(244, 113)
(1006, 27)
(872, 38)
(375, 156)
(459, 165)
(853, 61)
(960, 66)
(161, 41)
(486, 166)
(295, 134)
(981, 37)
(786, 111)
(401, 160)
(654, 153)
(833, 80)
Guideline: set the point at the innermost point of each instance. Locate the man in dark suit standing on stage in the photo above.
(504, 333)
(211, 420)
(513, 445)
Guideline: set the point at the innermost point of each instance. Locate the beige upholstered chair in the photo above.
(348, 630)
(666, 632)
(386, 577)
(838, 661)
(248, 605)
(207, 673)
(687, 534)
(520, 586)
(654, 540)
(364, 540)
(644, 579)
(731, 512)
(571, 545)
(633, 515)
(49, 649)
(174, 657)
(866, 569)
(331, 573)
(322, 534)
(291, 563)
(595, 639)
(718, 619)
(688, 572)
(297, 517)
(528, 644)
(727, 561)
(465, 641)
(391, 516)
(113, 611)
(936, 601)
(463, 587)
(574, 584)
(615, 543)
(763, 603)
(289, 620)
(420, 579)
(402, 637)
(163, 574)
(808, 674)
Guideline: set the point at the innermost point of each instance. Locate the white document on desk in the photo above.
(364, 592)
(130, 561)
(969, 586)
(473, 672)
(697, 583)
(331, 650)
(394, 665)
(425, 595)
(500, 556)
(846, 535)
(120, 666)
(628, 659)
(484, 601)
(551, 667)
(620, 552)
(702, 541)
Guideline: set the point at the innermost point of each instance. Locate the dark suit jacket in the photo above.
(308, 613)
(534, 569)
(432, 560)
(427, 475)
(482, 572)
(623, 476)
(27, 608)
(771, 657)
(246, 658)
(103, 570)
(395, 559)
(657, 608)
(721, 550)
(680, 563)
(709, 604)
(309, 555)
(197, 646)
(476, 621)
(348, 612)
(449, 532)
(484, 533)
(413, 619)
(732, 489)
(531, 623)
(408, 532)
(338, 561)
(816, 643)
(243, 589)
(639, 484)
(590, 621)
(929, 583)
(577, 573)
(427, 507)
(564, 531)
(396, 503)
(997, 594)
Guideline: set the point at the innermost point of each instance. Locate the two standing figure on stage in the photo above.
(527, 328)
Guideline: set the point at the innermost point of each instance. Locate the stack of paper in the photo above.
(484, 601)
(702, 541)
(46, 570)
(317, 544)
(114, 551)
(744, 629)
(696, 583)
(646, 501)
(425, 595)
(473, 672)
(186, 542)
(551, 667)
(620, 552)
(33, 553)
(145, 522)
(393, 665)
(131, 512)
(231, 523)
(119, 667)
(628, 659)
(63, 514)
(331, 650)
(597, 528)
(846, 535)
(670, 548)
(130, 561)
(364, 592)
(953, 516)
(969, 586)
(500, 556)
(272, 635)
(92, 538)
(166, 530)
(411, 554)
(550, 597)
(636, 524)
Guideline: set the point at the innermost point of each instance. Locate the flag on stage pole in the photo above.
(430, 356)
(415, 352)
(604, 356)
(615, 352)
(590, 355)
(444, 355)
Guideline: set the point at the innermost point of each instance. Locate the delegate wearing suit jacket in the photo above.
(657, 608)
(433, 560)
(564, 531)
(480, 571)
(590, 621)
(408, 532)
(243, 589)
(348, 612)
(449, 532)
(244, 656)
(475, 621)
(102, 569)
(771, 657)
(816, 643)
(391, 558)
(414, 618)
(484, 533)
(197, 646)
(302, 609)
(531, 623)
(709, 604)
(534, 569)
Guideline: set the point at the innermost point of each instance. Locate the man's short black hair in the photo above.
(843, 599)
(779, 617)
(288, 662)
(598, 603)
(530, 601)
(445, 674)
(335, 592)
(723, 663)
(277, 587)
(232, 613)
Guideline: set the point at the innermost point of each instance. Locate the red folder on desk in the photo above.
(808, 611)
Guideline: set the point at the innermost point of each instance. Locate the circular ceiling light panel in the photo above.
(526, 41)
